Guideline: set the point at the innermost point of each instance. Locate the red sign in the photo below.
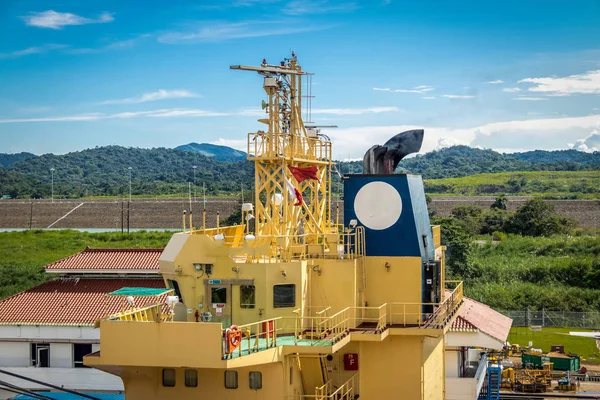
(351, 362)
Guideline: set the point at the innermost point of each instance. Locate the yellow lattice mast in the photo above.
(287, 142)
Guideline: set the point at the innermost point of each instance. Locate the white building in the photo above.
(45, 331)
(475, 330)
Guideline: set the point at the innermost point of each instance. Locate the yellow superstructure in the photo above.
(321, 314)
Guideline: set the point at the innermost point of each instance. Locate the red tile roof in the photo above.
(484, 319)
(109, 260)
(71, 301)
(461, 324)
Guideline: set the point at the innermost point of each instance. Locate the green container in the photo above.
(560, 363)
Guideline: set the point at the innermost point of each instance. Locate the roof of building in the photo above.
(109, 260)
(71, 301)
(475, 316)
(461, 324)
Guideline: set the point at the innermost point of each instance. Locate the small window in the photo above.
(247, 296)
(40, 355)
(191, 378)
(168, 377)
(255, 380)
(175, 286)
(218, 295)
(284, 296)
(231, 379)
(80, 350)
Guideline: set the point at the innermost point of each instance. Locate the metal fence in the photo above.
(559, 319)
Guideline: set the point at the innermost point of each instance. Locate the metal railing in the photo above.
(346, 391)
(480, 374)
(251, 337)
(412, 314)
(333, 245)
(277, 145)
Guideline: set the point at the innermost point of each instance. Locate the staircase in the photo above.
(491, 388)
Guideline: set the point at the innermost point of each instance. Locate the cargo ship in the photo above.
(295, 301)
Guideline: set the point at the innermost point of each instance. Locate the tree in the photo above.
(470, 217)
(459, 248)
(500, 203)
(538, 218)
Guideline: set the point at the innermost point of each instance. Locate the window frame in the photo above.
(248, 305)
(174, 377)
(285, 305)
(225, 379)
(79, 363)
(194, 380)
(252, 380)
(33, 353)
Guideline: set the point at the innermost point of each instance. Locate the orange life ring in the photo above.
(234, 338)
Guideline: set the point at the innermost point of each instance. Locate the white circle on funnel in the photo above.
(378, 205)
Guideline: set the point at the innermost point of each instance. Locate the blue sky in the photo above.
(511, 76)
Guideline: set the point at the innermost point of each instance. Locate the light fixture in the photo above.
(353, 223)
(387, 266)
(317, 269)
(284, 274)
(236, 270)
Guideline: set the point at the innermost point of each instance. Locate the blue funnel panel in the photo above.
(393, 210)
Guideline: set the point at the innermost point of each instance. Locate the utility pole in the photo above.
(129, 183)
(52, 173)
(194, 168)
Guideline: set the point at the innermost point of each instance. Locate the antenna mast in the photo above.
(286, 143)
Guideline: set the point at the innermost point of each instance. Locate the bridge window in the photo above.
(168, 377)
(231, 379)
(284, 296)
(218, 295)
(191, 378)
(255, 380)
(247, 296)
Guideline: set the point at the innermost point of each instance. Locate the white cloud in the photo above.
(57, 20)
(161, 113)
(524, 98)
(589, 144)
(33, 50)
(114, 45)
(429, 98)
(189, 112)
(511, 90)
(253, 112)
(496, 82)
(302, 7)
(417, 89)
(238, 144)
(355, 111)
(217, 32)
(587, 83)
(160, 94)
(458, 96)
(353, 142)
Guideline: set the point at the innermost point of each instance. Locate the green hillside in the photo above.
(104, 171)
(549, 184)
(6, 160)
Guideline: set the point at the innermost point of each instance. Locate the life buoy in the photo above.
(234, 338)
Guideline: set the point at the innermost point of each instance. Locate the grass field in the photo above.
(585, 347)
(547, 184)
(25, 253)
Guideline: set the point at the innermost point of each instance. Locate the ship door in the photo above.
(220, 303)
(313, 375)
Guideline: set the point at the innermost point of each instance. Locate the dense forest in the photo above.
(529, 258)
(104, 171)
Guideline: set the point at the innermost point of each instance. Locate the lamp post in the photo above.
(52, 174)
(194, 168)
(129, 183)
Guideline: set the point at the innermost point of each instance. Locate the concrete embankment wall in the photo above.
(167, 213)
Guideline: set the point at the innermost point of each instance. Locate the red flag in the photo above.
(295, 193)
(303, 173)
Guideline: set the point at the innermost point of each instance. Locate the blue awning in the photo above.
(71, 396)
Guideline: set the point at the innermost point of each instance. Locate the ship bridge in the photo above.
(296, 301)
